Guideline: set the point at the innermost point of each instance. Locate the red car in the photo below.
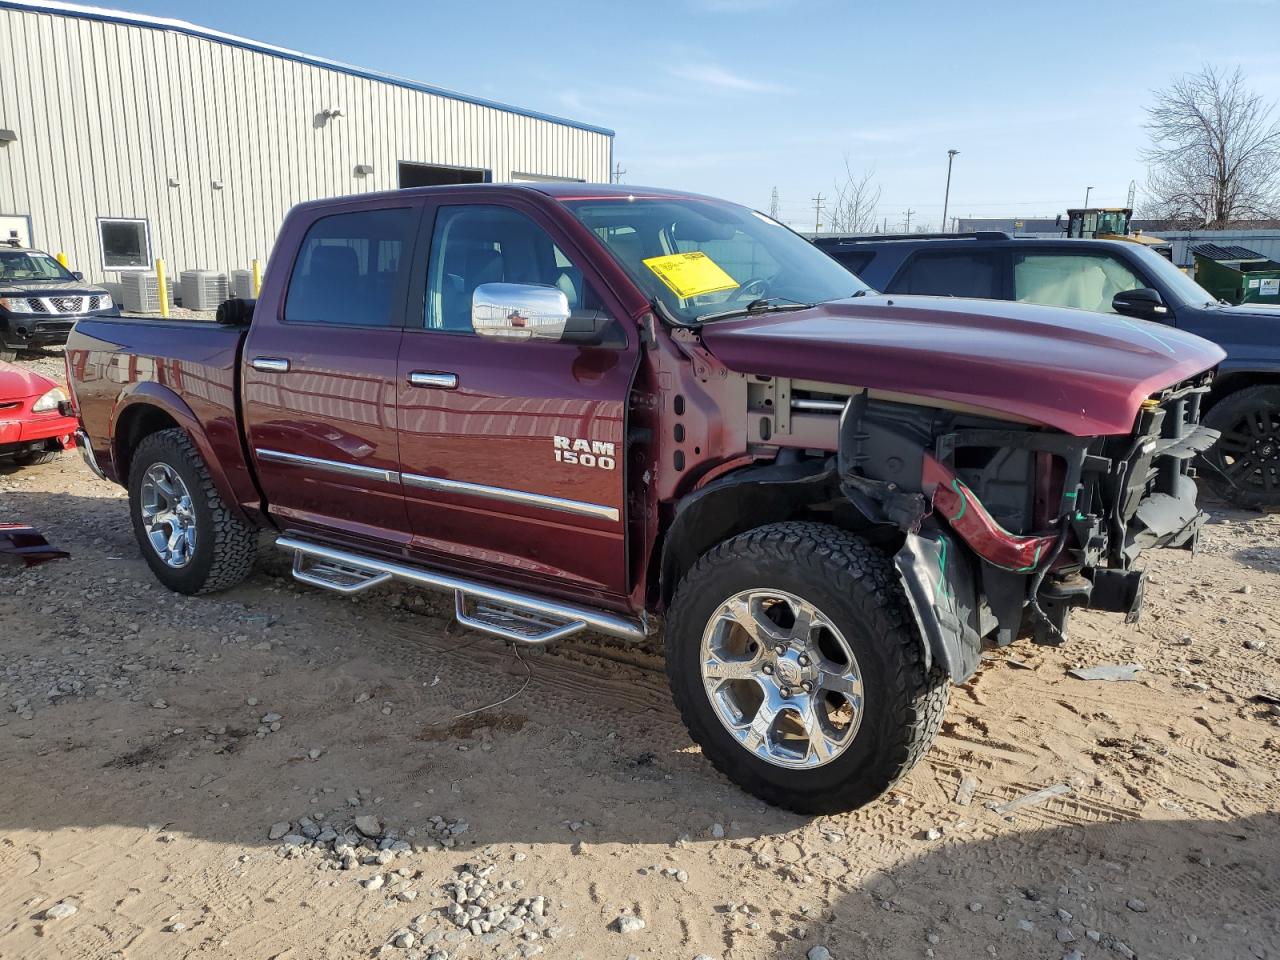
(34, 425)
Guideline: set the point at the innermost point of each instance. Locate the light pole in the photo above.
(946, 199)
(1087, 191)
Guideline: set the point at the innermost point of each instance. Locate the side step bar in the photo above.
(518, 617)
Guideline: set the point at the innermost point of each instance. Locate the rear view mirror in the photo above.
(1143, 303)
(519, 311)
(78, 275)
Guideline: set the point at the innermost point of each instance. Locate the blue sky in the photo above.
(735, 97)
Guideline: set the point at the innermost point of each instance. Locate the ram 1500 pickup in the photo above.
(581, 407)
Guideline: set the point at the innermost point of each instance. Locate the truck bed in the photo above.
(123, 369)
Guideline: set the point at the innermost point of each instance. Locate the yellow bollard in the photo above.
(257, 278)
(162, 287)
(62, 259)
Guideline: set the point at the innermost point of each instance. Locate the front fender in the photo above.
(218, 442)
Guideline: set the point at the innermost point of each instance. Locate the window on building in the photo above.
(488, 244)
(959, 273)
(348, 269)
(1086, 281)
(126, 244)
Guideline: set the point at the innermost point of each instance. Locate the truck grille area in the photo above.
(65, 305)
(1147, 491)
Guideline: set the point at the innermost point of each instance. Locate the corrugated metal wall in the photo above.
(106, 113)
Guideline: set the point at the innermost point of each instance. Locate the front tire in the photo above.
(37, 457)
(1244, 465)
(797, 666)
(191, 540)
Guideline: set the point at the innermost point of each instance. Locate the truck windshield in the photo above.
(705, 259)
(1181, 285)
(30, 265)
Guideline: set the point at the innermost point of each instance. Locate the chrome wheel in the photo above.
(168, 515)
(781, 678)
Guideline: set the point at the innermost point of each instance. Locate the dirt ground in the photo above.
(145, 782)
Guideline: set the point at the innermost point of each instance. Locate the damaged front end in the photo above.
(1006, 527)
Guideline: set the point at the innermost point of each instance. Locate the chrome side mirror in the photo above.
(519, 311)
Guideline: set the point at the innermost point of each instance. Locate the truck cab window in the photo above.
(347, 269)
(1086, 281)
(956, 273)
(479, 244)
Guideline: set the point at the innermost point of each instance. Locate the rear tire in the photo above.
(222, 547)
(839, 581)
(1244, 465)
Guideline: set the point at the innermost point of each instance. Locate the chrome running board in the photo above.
(518, 617)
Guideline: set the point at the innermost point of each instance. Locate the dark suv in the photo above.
(40, 301)
(1120, 278)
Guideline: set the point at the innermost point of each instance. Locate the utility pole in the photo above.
(618, 171)
(908, 213)
(817, 214)
(946, 197)
(1087, 191)
(773, 204)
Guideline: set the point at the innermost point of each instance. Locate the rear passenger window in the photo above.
(855, 263)
(962, 273)
(348, 268)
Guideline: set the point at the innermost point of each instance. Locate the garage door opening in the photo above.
(433, 175)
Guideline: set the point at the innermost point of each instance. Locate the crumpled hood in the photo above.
(1079, 372)
(19, 383)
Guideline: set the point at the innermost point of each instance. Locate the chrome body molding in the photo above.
(86, 451)
(441, 485)
(333, 466)
(365, 571)
(578, 507)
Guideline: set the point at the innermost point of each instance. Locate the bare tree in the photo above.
(852, 208)
(1215, 151)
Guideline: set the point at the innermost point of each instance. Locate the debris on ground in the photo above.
(1112, 672)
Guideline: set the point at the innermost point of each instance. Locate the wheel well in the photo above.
(135, 424)
(744, 500)
(1230, 383)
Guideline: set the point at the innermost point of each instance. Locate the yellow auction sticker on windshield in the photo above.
(691, 274)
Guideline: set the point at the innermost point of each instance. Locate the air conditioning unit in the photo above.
(203, 289)
(242, 284)
(142, 292)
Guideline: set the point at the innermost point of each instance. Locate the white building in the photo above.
(124, 138)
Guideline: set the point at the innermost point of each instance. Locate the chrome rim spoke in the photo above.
(168, 515)
(781, 678)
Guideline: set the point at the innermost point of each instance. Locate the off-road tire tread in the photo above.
(1237, 402)
(917, 695)
(235, 543)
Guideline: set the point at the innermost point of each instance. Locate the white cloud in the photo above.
(710, 75)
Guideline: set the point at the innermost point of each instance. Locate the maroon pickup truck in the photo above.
(580, 407)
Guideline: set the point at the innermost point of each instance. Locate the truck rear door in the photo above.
(512, 452)
(319, 376)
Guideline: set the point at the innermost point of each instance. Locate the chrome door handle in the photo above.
(270, 364)
(441, 381)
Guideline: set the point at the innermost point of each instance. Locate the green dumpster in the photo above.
(1236, 274)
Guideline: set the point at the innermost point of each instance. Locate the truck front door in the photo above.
(512, 452)
(319, 373)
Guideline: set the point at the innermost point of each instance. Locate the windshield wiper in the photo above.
(759, 305)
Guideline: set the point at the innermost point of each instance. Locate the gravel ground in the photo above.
(278, 772)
